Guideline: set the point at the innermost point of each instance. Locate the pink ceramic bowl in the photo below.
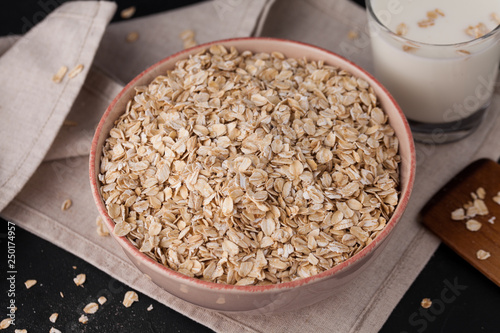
(270, 298)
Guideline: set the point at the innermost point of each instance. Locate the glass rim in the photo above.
(371, 12)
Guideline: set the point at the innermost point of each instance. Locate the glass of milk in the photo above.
(439, 59)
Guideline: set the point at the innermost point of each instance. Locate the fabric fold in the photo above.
(33, 107)
(75, 136)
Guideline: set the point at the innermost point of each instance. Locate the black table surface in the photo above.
(463, 299)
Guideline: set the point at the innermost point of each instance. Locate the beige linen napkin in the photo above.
(364, 304)
(32, 107)
(159, 34)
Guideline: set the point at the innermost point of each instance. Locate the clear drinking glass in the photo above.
(443, 89)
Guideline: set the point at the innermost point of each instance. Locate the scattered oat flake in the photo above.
(54, 330)
(463, 52)
(53, 317)
(473, 225)
(458, 214)
(471, 210)
(74, 267)
(91, 308)
(102, 300)
(187, 37)
(75, 71)
(80, 279)
(127, 12)
(495, 18)
(432, 15)
(481, 207)
(477, 31)
(407, 48)
(29, 283)
(426, 303)
(426, 23)
(482, 255)
(497, 198)
(62, 295)
(21, 331)
(101, 228)
(132, 37)
(187, 34)
(481, 193)
(401, 29)
(60, 74)
(189, 43)
(468, 205)
(83, 319)
(66, 205)
(129, 298)
(5, 323)
(150, 307)
(492, 219)
(352, 34)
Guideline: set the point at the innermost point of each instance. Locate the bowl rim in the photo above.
(161, 269)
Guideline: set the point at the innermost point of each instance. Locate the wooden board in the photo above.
(436, 215)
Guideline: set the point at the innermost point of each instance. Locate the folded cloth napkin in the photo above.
(33, 107)
(364, 304)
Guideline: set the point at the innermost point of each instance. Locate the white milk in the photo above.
(436, 83)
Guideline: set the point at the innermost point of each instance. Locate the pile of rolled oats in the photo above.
(251, 169)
